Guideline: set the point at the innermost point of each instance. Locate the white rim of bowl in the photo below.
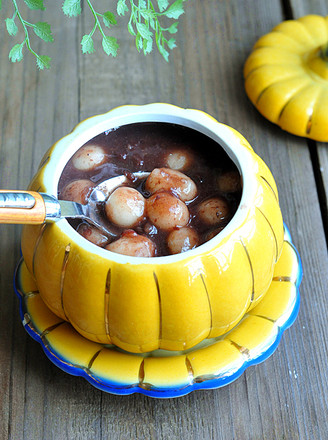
(158, 112)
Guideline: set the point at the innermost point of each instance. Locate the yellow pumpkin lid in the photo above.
(286, 76)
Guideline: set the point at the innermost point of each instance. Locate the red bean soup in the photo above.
(190, 195)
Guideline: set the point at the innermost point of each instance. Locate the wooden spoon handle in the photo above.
(21, 207)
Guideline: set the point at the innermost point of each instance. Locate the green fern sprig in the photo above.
(144, 24)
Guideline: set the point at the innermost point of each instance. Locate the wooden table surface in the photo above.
(286, 397)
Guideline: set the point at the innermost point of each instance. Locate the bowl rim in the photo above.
(234, 144)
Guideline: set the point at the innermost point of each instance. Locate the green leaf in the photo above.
(142, 4)
(11, 26)
(139, 42)
(171, 43)
(121, 7)
(161, 48)
(87, 44)
(16, 53)
(147, 46)
(72, 8)
(147, 14)
(110, 45)
(152, 23)
(173, 29)
(0, 4)
(144, 31)
(162, 4)
(175, 10)
(163, 52)
(43, 62)
(42, 30)
(131, 30)
(35, 4)
(109, 19)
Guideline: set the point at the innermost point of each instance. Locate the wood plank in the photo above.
(299, 9)
(289, 160)
(323, 161)
(10, 93)
(33, 117)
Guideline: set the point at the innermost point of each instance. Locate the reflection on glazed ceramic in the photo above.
(170, 302)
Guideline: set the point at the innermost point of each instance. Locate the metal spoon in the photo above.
(30, 207)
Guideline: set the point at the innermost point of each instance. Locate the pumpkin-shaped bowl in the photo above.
(286, 76)
(170, 302)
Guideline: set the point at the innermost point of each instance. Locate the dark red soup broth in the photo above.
(146, 146)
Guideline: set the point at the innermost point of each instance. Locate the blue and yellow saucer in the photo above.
(211, 364)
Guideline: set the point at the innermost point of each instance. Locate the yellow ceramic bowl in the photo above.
(171, 302)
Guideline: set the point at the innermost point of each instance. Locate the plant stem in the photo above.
(23, 23)
(97, 22)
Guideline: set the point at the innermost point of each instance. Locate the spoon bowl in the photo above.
(30, 207)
